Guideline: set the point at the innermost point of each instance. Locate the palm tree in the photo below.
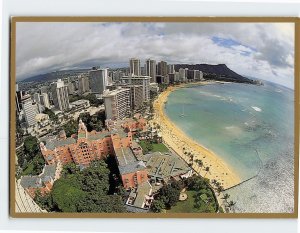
(207, 170)
(225, 197)
(230, 204)
(220, 189)
(200, 163)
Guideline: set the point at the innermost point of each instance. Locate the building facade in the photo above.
(151, 70)
(83, 84)
(60, 95)
(98, 80)
(144, 81)
(135, 66)
(117, 103)
(30, 110)
(44, 100)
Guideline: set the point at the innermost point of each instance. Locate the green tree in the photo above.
(94, 122)
(93, 203)
(69, 169)
(31, 146)
(95, 178)
(158, 205)
(70, 128)
(67, 194)
(169, 195)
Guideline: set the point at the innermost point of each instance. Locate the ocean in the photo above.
(252, 129)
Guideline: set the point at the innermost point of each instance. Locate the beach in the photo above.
(183, 145)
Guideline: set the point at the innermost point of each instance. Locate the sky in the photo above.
(260, 50)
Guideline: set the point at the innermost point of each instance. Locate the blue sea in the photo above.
(252, 129)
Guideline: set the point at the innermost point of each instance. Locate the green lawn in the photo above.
(188, 206)
(160, 147)
(153, 147)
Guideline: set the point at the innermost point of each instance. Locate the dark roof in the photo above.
(31, 182)
(98, 136)
(52, 144)
(37, 181)
(125, 156)
(132, 167)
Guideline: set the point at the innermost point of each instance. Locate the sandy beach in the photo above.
(177, 140)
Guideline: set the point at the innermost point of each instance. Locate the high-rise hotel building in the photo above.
(135, 66)
(117, 103)
(60, 95)
(98, 80)
(151, 70)
(144, 81)
(30, 110)
(83, 84)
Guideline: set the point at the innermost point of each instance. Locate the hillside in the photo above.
(216, 72)
(54, 75)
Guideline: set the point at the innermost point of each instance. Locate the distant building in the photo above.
(98, 80)
(30, 110)
(71, 87)
(139, 80)
(135, 66)
(171, 69)
(60, 95)
(83, 84)
(162, 68)
(80, 104)
(182, 75)
(36, 97)
(171, 78)
(44, 100)
(151, 70)
(44, 89)
(117, 103)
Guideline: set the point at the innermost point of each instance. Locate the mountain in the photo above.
(216, 72)
(54, 75)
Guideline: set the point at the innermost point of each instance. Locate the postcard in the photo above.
(154, 117)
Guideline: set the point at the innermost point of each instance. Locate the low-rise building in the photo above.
(42, 183)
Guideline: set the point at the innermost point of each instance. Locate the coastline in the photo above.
(176, 139)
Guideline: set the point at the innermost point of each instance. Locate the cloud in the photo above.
(258, 50)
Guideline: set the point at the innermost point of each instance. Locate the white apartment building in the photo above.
(117, 103)
(30, 110)
(60, 95)
(139, 80)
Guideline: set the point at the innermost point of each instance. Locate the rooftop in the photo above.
(139, 195)
(37, 181)
(165, 165)
(52, 144)
(125, 156)
(99, 135)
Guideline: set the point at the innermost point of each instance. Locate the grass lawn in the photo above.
(156, 147)
(187, 206)
(160, 147)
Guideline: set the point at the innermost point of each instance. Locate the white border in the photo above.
(125, 8)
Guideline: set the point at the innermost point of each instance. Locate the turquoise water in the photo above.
(252, 129)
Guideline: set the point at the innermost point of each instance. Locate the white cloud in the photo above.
(262, 50)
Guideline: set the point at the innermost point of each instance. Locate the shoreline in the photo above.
(176, 139)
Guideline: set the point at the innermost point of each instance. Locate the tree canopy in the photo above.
(83, 191)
